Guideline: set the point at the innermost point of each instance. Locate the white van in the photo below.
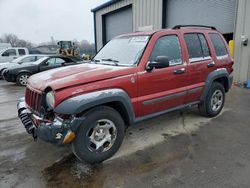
(9, 54)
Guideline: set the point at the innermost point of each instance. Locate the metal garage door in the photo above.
(117, 23)
(218, 13)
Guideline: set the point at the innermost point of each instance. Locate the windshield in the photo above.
(122, 51)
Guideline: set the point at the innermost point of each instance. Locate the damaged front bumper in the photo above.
(58, 131)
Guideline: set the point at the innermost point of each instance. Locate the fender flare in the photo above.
(81, 103)
(219, 73)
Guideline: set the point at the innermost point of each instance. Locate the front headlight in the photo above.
(50, 99)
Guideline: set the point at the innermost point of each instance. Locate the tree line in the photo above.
(84, 47)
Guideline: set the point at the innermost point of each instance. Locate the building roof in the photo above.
(111, 2)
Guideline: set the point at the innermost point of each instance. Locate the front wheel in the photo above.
(22, 79)
(100, 136)
(214, 101)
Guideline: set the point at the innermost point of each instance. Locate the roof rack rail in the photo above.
(205, 26)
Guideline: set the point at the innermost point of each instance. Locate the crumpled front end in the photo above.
(57, 131)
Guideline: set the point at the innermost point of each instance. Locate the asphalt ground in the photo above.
(179, 149)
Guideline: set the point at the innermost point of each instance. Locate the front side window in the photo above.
(122, 51)
(59, 61)
(51, 61)
(10, 52)
(168, 46)
(21, 51)
(218, 44)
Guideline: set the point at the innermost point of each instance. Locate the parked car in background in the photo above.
(132, 78)
(9, 54)
(4, 45)
(21, 73)
(19, 61)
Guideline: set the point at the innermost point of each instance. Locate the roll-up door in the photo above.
(218, 13)
(117, 23)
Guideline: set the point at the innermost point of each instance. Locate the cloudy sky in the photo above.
(38, 20)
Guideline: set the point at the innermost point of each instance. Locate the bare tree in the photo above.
(15, 41)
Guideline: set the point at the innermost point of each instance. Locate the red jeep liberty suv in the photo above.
(132, 78)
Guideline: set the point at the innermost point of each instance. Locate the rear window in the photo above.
(197, 47)
(21, 51)
(218, 44)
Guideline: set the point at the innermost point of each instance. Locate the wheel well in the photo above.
(120, 108)
(224, 82)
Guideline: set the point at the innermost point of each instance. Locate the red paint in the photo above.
(140, 85)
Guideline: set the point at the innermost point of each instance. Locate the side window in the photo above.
(168, 46)
(9, 52)
(59, 61)
(51, 61)
(218, 44)
(194, 47)
(204, 46)
(21, 51)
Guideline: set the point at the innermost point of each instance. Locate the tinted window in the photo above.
(11, 52)
(194, 47)
(204, 46)
(168, 46)
(21, 51)
(218, 44)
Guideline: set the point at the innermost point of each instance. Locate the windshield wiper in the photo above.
(112, 60)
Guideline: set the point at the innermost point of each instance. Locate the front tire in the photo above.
(22, 79)
(100, 135)
(214, 101)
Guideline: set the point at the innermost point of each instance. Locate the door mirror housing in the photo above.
(160, 62)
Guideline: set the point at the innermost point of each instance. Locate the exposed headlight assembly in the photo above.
(50, 99)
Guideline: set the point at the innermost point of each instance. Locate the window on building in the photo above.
(168, 46)
(218, 44)
(21, 51)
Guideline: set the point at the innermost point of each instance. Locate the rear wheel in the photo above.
(22, 79)
(100, 135)
(214, 101)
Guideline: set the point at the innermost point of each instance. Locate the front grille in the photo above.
(33, 99)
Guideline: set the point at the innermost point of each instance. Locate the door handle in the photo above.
(212, 64)
(179, 71)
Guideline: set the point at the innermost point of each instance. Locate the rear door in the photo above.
(9, 55)
(164, 88)
(200, 64)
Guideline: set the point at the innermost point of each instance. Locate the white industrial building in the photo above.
(230, 17)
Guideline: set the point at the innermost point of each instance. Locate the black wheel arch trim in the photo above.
(78, 104)
(212, 76)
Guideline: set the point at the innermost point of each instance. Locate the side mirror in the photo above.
(5, 54)
(160, 62)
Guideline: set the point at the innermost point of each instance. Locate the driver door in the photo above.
(163, 88)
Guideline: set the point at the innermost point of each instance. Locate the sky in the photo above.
(38, 20)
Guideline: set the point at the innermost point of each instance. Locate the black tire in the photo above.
(1, 74)
(84, 148)
(207, 108)
(22, 78)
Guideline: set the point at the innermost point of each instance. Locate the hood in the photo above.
(75, 75)
(6, 65)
